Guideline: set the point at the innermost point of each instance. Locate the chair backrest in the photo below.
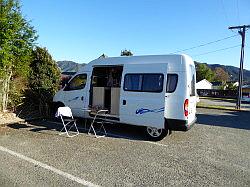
(64, 111)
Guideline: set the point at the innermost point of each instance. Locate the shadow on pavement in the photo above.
(239, 120)
(113, 130)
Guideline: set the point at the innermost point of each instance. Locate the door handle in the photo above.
(82, 98)
(124, 102)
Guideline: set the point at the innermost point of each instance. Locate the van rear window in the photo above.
(143, 82)
(172, 80)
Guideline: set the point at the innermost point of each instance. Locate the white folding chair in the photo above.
(67, 120)
(99, 112)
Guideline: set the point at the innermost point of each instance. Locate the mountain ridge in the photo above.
(71, 66)
(232, 71)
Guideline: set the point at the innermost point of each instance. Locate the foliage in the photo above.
(44, 79)
(231, 86)
(223, 85)
(126, 53)
(221, 75)
(204, 72)
(17, 38)
(103, 56)
(18, 87)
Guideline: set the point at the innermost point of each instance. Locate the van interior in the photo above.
(105, 89)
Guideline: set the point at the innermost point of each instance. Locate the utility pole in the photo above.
(242, 32)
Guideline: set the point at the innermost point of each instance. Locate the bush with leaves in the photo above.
(44, 80)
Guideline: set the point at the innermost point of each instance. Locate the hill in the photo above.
(232, 71)
(69, 66)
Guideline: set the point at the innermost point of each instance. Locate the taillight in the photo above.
(186, 107)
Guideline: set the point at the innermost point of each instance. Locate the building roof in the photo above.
(205, 80)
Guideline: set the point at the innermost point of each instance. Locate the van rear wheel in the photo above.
(155, 134)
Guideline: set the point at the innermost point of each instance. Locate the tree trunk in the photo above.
(5, 91)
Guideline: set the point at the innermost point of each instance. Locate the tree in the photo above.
(17, 38)
(231, 86)
(103, 56)
(44, 79)
(126, 53)
(204, 72)
(221, 75)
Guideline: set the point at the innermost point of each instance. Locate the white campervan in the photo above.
(156, 91)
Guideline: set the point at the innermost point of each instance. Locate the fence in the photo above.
(217, 93)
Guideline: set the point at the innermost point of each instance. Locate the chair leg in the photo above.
(67, 130)
(102, 127)
(92, 127)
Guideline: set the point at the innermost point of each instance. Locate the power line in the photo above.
(206, 43)
(223, 49)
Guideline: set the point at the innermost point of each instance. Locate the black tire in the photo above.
(155, 136)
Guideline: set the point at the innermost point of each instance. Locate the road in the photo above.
(215, 152)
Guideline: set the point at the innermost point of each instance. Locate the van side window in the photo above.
(172, 80)
(143, 82)
(192, 93)
(77, 83)
(192, 86)
(132, 82)
(152, 83)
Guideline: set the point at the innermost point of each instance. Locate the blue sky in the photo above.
(81, 30)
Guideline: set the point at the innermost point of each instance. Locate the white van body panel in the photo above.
(162, 105)
(143, 108)
(172, 100)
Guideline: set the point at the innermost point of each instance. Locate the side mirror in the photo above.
(65, 82)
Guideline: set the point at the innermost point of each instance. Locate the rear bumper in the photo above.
(178, 125)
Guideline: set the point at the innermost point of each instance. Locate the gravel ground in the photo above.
(8, 117)
(215, 152)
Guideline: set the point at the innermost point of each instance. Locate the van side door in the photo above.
(143, 94)
(75, 93)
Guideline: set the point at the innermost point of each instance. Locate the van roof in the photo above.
(172, 60)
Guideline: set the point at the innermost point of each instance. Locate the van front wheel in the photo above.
(155, 134)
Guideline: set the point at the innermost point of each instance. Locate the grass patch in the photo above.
(201, 105)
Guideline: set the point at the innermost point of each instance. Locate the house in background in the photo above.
(204, 85)
(246, 90)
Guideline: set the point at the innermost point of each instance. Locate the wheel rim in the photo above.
(154, 132)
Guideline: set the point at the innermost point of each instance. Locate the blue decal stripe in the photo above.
(145, 110)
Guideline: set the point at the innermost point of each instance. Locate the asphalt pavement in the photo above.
(215, 152)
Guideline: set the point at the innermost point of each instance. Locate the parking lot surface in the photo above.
(215, 152)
